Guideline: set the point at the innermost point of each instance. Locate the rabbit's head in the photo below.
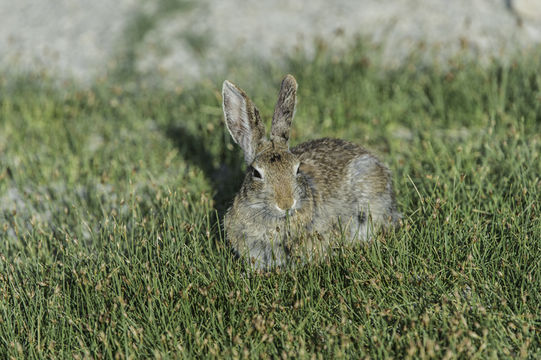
(273, 184)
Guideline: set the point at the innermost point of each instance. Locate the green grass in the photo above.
(109, 198)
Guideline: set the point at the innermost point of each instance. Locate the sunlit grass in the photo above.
(110, 244)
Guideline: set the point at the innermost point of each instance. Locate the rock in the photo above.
(527, 9)
(178, 44)
(63, 37)
(435, 30)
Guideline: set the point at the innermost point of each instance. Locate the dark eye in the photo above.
(298, 171)
(256, 174)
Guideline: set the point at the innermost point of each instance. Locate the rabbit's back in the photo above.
(348, 183)
(326, 161)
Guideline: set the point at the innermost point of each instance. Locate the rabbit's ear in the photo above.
(242, 120)
(284, 110)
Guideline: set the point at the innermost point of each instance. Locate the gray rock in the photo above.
(62, 37)
(528, 10)
(434, 29)
(179, 44)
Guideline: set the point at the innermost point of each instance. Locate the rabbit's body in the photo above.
(349, 183)
(294, 202)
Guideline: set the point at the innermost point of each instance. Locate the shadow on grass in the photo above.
(225, 178)
(225, 175)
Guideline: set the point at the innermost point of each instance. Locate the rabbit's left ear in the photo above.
(284, 110)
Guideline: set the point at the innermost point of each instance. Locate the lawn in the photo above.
(111, 198)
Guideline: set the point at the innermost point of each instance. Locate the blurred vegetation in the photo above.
(110, 200)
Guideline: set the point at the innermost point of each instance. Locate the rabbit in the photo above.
(295, 201)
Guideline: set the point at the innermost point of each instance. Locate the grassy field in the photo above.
(110, 199)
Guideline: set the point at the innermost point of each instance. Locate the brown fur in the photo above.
(284, 110)
(280, 213)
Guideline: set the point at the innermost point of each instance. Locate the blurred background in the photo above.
(115, 168)
(176, 41)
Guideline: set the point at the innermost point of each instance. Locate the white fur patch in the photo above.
(362, 165)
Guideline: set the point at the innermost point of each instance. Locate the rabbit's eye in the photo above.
(256, 174)
(298, 169)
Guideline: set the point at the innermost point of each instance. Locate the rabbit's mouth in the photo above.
(282, 214)
(274, 212)
(287, 214)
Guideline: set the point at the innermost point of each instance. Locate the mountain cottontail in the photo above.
(294, 202)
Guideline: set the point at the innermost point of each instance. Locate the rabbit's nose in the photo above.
(285, 204)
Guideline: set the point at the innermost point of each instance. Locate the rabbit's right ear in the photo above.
(242, 120)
